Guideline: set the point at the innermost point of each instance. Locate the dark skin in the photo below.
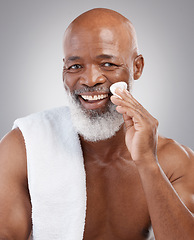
(136, 178)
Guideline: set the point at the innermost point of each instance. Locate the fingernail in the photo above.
(117, 96)
(126, 91)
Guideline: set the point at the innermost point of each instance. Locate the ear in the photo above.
(138, 66)
(63, 76)
(63, 73)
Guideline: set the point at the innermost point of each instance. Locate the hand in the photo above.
(141, 127)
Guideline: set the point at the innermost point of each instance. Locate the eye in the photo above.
(109, 66)
(75, 67)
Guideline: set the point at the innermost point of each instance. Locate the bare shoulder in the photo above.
(15, 207)
(174, 156)
(13, 139)
(13, 153)
(177, 162)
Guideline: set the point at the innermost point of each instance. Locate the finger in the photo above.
(128, 121)
(126, 117)
(129, 101)
(137, 120)
(136, 102)
(129, 104)
(121, 102)
(125, 94)
(128, 95)
(128, 98)
(130, 112)
(134, 108)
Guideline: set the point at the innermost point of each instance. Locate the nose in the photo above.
(92, 76)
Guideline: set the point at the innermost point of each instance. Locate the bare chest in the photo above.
(116, 205)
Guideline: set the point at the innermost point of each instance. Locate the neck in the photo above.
(106, 148)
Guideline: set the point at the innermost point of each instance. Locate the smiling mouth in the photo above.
(94, 97)
(94, 100)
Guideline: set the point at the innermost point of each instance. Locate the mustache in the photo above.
(92, 89)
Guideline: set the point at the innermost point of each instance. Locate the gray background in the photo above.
(31, 58)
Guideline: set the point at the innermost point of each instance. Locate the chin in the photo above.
(95, 124)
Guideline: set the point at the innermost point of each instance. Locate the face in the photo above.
(94, 60)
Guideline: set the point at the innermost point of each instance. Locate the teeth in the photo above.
(95, 97)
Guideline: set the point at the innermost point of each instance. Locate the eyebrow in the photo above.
(105, 56)
(73, 58)
(101, 56)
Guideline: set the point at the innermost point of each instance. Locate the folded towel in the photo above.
(56, 175)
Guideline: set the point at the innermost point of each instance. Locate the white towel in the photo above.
(56, 175)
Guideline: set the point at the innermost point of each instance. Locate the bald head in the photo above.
(103, 33)
(106, 20)
(101, 17)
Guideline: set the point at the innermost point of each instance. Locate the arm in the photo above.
(15, 206)
(170, 217)
(171, 204)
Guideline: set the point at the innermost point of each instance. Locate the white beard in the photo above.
(94, 125)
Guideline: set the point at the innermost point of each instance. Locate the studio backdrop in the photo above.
(31, 58)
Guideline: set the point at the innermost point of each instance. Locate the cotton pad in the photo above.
(121, 85)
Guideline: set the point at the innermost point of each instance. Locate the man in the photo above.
(135, 179)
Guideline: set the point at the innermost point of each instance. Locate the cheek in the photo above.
(121, 74)
(69, 81)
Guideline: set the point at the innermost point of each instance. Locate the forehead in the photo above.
(103, 40)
